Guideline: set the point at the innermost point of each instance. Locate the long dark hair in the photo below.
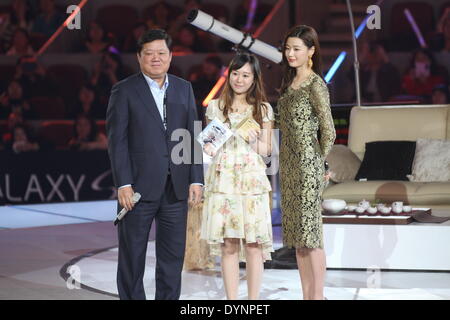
(255, 95)
(310, 39)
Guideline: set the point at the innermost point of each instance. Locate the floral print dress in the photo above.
(237, 203)
(301, 114)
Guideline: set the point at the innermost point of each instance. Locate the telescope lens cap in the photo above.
(192, 15)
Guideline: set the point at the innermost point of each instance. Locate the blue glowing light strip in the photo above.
(337, 63)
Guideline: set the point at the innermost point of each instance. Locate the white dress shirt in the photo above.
(158, 95)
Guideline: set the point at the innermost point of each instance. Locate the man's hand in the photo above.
(195, 194)
(125, 196)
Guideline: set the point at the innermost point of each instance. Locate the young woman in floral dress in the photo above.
(236, 212)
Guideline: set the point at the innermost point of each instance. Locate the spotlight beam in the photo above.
(61, 28)
(415, 28)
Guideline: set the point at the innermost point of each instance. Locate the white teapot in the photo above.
(364, 204)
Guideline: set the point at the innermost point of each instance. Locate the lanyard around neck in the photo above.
(165, 109)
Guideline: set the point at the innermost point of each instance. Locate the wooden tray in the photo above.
(345, 217)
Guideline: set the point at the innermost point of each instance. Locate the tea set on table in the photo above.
(364, 208)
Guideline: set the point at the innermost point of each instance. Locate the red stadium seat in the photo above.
(69, 78)
(57, 132)
(117, 19)
(48, 107)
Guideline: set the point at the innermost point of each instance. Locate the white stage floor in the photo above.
(41, 244)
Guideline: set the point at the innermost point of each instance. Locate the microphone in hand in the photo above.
(136, 197)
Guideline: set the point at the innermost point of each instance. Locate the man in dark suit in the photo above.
(144, 111)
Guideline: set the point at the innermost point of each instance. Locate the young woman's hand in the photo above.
(253, 135)
(327, 175)
(208, 148)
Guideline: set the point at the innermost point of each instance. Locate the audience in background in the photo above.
(19, 17)
(187, 41)
(14, 119)
(130, 44)
(177, 23)
(204, 80)
(20, 44)
(107, 72)
(160, 16)
(86, 136)
(87, 104)
(440, 95)
(49, 18)
(22, 140)
(32, 76)
(423, 75)
(442, 39)
(379, 78)
(97, 40)
(13, 101)
(241, 15)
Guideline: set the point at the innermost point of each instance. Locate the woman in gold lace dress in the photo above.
(307, 135)
(236, 212)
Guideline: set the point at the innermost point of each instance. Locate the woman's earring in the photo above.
(310, 62)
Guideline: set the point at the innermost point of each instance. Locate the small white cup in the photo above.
(385, 210)
(397, 206)
(407, 209)
(360, 210)
(372, 210)
(380, 205)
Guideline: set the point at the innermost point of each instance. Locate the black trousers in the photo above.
(170, 215)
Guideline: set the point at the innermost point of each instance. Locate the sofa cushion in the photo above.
(387, 160)
(344, 164)
(431, 161)
(405, 123)
(415, 193)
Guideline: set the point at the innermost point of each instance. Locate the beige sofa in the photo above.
(395, 123)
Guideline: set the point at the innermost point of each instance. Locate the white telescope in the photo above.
(207, 23)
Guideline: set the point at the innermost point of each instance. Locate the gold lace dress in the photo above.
(301, 114)
(236, 192)
(197, 255)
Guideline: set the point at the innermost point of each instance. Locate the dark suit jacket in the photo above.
(140, 148)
